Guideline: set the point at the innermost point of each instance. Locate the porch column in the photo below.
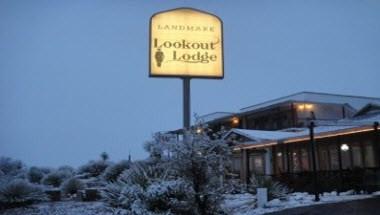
(268, 161)
(244, 169)
(377, 142)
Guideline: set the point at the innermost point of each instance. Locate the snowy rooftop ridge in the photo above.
(261, 136)
(356, 102)
(214, 116)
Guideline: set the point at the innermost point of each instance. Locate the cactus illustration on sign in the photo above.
(159, 57)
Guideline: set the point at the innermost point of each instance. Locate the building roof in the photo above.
(258, 135)
(356, 102)
(215, 116)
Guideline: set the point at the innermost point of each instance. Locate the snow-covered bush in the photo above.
(56, 178)
(72, 185)
(175, 196)
(10, 167)
(202, 159)
(35, 175)
(234, 186)
(19, 192)
(144, 173)
(122, 195)
(128, 191)
(275, 188)
(113, 171)
(67, 169)
(94, 168)
(180, 177)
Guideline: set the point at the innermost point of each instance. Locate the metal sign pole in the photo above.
(186, 103)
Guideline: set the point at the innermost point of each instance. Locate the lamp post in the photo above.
(312, 146)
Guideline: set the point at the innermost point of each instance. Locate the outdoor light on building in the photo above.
(344, 147)
(302, 107)
(235, 121)
(279, 154)
(308, 106)
(199, 130)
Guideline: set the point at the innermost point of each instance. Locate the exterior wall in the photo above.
(334, 165)
(276, 118)
(285, 115)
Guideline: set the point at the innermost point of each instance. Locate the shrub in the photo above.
(55, 178)
(67, 169)
(10, 167)
(173, 195)
(234, 186)
(19, 192)
(94, 168)
(35, 175)
(112, 172)
(128, 191)
(112, 193)
(72, 185)
(121, 195)
(275, 188)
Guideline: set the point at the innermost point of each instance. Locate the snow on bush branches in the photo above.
(180, 177)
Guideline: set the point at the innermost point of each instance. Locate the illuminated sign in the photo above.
(185, 42)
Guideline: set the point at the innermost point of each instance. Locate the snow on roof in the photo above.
(284, 135)
(356, 102)
(214, 116)
(370, 119)
(264, 135)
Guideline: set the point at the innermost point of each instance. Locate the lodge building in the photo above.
(273, 139)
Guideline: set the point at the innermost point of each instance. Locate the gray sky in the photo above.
(74, 74)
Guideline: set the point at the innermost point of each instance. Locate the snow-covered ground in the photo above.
(63, 208)
(245, 204)
(236, 204)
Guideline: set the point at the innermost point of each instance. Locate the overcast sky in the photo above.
(74, 74)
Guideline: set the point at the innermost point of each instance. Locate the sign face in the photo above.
(185, 42)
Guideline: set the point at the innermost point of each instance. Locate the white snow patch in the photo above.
(245, 204)
(64, 208)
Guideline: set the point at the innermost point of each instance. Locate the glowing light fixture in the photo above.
(235, 121)
(199, 130)
(344, 147)
(308, 106)
(302, 107)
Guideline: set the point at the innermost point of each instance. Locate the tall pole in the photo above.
(186, 103)
(312, 146)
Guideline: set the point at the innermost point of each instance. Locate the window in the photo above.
(346, 160)
(236, 163)
(356, 155)
(279, 156)
(334, 157)
(304, 159)
(295, 161)
(323, 157)
(369, 156)
(256, 164)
